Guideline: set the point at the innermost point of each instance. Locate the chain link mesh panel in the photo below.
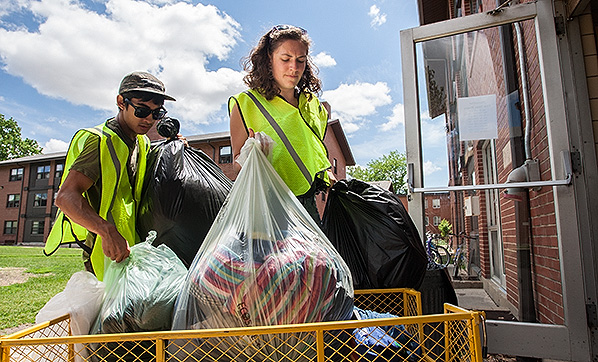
(453, 336)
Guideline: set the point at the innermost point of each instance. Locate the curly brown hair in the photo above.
(258, 64)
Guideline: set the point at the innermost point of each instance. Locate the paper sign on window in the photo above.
(477, 118)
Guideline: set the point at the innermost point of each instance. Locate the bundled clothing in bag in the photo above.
(375, 235)
(264, 262)
(182, 194)
(139, 296)
(384, 343)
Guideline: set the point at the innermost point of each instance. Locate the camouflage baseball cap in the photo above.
(145, 82)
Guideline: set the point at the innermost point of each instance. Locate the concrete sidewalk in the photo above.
(472, 295)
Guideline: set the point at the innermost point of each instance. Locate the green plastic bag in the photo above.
(141, 290)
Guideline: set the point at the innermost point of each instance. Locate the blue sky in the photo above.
(61, 61)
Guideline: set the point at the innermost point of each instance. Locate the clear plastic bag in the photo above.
(141, 290)
(264, 262)
(140, 295)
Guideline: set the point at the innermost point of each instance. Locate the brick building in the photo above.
(514, 85)
(28, 184)
(437, 206)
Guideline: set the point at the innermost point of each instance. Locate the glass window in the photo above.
(436, 220)
(16, 174)
(10, 227)
(334, 166)
(226, 155)
(43, 172)
(37, 228)
(40, 200)
(427, 221)
(59, 170)
(475, 6)
(14, 200)
(436, 203)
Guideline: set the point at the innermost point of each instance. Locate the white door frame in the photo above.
(493, 213)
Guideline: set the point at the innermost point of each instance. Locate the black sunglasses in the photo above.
(142, 111)
(278, 28)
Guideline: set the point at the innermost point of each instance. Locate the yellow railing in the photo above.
(452, 336)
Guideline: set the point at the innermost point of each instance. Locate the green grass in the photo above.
(21, 302)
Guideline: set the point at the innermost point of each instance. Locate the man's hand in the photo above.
(114, 245)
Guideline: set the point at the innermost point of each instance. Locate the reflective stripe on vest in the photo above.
(118, 204)
(304, 126)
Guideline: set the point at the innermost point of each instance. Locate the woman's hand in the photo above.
(266, 142)
(331, 177)
(183, 138)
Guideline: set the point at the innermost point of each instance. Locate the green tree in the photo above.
(445, 228)
(391, 167)
(13, 145)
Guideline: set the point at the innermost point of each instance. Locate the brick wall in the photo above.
(334, 153)
(212, 149)
(545, 258)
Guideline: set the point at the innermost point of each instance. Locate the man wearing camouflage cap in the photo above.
(104, 172)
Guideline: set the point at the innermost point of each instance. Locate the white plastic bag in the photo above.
(264, 262)
(82, 299)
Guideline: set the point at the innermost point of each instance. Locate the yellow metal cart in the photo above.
(452, 336)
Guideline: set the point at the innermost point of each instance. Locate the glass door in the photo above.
(485, 122)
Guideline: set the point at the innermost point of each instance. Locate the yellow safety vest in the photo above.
(118, 201)
(299, 153)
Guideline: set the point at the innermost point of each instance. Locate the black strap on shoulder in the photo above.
(81, 244)
(283, 137)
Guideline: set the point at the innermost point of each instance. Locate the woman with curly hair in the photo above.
(281, 102)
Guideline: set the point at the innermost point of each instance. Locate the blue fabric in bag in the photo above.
(384, 343)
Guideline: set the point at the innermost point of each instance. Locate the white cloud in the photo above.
(353, 103)
(54, 145)
(430, 168)
(377, 17)
(324, 60)
(8, 6)
(81, 56)
(397, 118)
(433, 130)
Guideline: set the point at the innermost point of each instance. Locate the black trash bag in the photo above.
(182, 194)
(375, 235)
(168, 127)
